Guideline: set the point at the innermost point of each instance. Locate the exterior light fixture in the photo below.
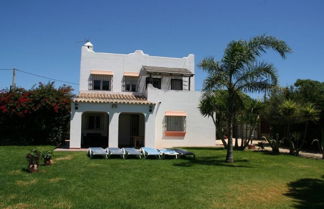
(76, 106)
(114, 106)
(151, 108)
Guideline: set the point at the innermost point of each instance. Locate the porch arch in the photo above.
(94, 129)
(131, 129)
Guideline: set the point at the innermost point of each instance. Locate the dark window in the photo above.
(130, 84)
(133, 87)
(105, 85)
(128, 87)
(96, 84)
(97, 122)
(156, 82)
(91, 120)
(94, 122)
(175, 123)
(101, 85)
(176, 84)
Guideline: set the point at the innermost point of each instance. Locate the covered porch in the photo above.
(124, 121)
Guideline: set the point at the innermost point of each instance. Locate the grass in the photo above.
(255, 180)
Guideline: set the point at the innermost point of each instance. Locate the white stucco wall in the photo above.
(200, 131)
(133, 62)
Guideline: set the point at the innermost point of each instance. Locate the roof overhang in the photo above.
(175, 113)
(100, 97)
(168, 70)
(131, 74)
(101, 72)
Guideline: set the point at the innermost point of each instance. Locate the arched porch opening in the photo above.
(131, 130)
(95, 129)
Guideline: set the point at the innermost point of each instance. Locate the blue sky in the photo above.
(45, 37)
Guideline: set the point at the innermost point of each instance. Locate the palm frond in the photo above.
(210, 65)
(215, 81)
(256, 72)
(260, 44)
(257, 86)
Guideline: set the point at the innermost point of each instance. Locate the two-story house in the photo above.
(133, 100)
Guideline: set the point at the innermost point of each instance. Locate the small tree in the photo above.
(239, 70)
(250, 116)
(213, 105)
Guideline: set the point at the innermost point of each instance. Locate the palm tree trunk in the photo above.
(235, 134)
(224, 142)
(242, 136)
(229, 156)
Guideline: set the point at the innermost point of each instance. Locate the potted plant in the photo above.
(47, 157)
(33, 160)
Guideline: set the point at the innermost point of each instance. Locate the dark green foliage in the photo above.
(37, 116)
(47, 155)
(292, 117)
(33, 157)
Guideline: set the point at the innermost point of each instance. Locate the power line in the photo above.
(41, 76)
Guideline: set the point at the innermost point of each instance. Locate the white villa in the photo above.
(134, 100)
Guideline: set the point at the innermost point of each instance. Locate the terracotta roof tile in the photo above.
(96, 97)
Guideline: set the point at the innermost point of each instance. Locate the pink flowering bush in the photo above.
(40, 115)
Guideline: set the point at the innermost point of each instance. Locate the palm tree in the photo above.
(239, 70)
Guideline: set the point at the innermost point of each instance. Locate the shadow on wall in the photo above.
(308, 193)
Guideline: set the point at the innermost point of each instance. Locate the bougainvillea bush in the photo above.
(40, 115)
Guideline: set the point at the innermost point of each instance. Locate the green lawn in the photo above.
(255, 180)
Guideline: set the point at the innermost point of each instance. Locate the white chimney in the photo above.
(88, 45)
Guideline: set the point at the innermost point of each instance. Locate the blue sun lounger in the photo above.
(185, 153)
(131, 152)
(97, 151)
(169, 152)
(115, 151)
(148, 151)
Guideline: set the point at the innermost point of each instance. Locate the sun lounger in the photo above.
(115, 151)
(169, 152)
(148, 151)
(97, 151)
(131, 152)
(183, 152)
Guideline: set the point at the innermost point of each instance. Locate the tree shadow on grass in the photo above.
(213, 161)
(307, 192)
(204, 148)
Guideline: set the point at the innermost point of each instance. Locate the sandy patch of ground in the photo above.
(20, 206)
(63, 204)
(26, 183)
(15, 172)
(54, 180)
(68, 157)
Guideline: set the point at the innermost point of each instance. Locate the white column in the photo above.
(149, 130)
(113, 129)
(75, 127)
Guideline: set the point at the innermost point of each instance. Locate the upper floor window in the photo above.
(100, 80)
(101, 85)
(130, 83)
(156, 82)
(176, 84)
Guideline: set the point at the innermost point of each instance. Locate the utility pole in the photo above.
(13, 84)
